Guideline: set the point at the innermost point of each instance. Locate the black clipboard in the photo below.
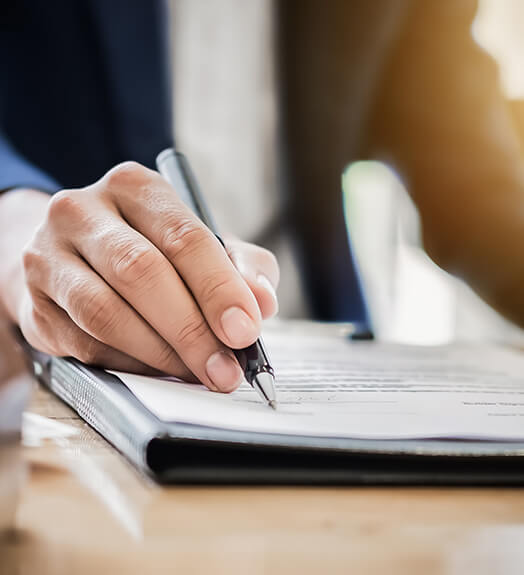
(196, 454)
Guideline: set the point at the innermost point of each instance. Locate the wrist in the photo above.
(12, 290)
(21, 211)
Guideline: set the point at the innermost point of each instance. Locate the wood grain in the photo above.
(85, 510)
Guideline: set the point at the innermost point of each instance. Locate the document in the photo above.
(328, 386)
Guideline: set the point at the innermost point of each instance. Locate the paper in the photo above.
(329, 386)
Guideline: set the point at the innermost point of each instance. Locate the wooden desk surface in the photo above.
(84, 509)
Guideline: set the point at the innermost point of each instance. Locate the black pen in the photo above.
(253, 359)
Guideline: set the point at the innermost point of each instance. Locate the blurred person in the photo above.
(100, 271)
(404, 82)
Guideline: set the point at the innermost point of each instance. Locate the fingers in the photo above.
(48, 328)
(100, 312)
(136, 270)
(225, 300)
(139, 281)
(260, 270)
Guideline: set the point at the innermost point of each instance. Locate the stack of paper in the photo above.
(330, 386)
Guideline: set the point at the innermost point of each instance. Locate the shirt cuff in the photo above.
(17, 172)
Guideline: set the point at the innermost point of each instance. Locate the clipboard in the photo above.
(194, 454)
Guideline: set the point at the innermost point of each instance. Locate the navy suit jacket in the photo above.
(85, 84)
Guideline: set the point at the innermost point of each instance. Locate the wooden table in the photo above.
(84, 509)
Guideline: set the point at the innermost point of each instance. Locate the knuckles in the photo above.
(32, 259)
(166, 357)
(93, 312)
(215, 286)
(185, 237)
(65, 205)
(128, 175)
(192, 330)
(133, 263)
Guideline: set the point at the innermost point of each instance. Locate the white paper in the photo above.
(328, 386)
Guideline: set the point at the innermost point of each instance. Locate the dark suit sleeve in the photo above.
(18, 172)
(326, 51)
(441, 119)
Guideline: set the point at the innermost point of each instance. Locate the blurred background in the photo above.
(227, 122)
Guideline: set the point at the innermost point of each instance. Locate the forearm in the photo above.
(441, 118)
(21, 211)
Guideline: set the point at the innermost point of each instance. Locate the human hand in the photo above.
(121, 274)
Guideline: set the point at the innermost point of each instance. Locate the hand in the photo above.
(121, 274)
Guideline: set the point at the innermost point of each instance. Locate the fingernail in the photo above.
(223, 371)
(267, 285)
(239, 328)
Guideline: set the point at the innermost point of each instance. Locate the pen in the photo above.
(253, 359)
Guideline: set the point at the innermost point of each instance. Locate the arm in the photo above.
(330, 55)
(441, 118)
(405, 82)
(117, 273)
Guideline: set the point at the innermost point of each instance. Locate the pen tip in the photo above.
(273, 404)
